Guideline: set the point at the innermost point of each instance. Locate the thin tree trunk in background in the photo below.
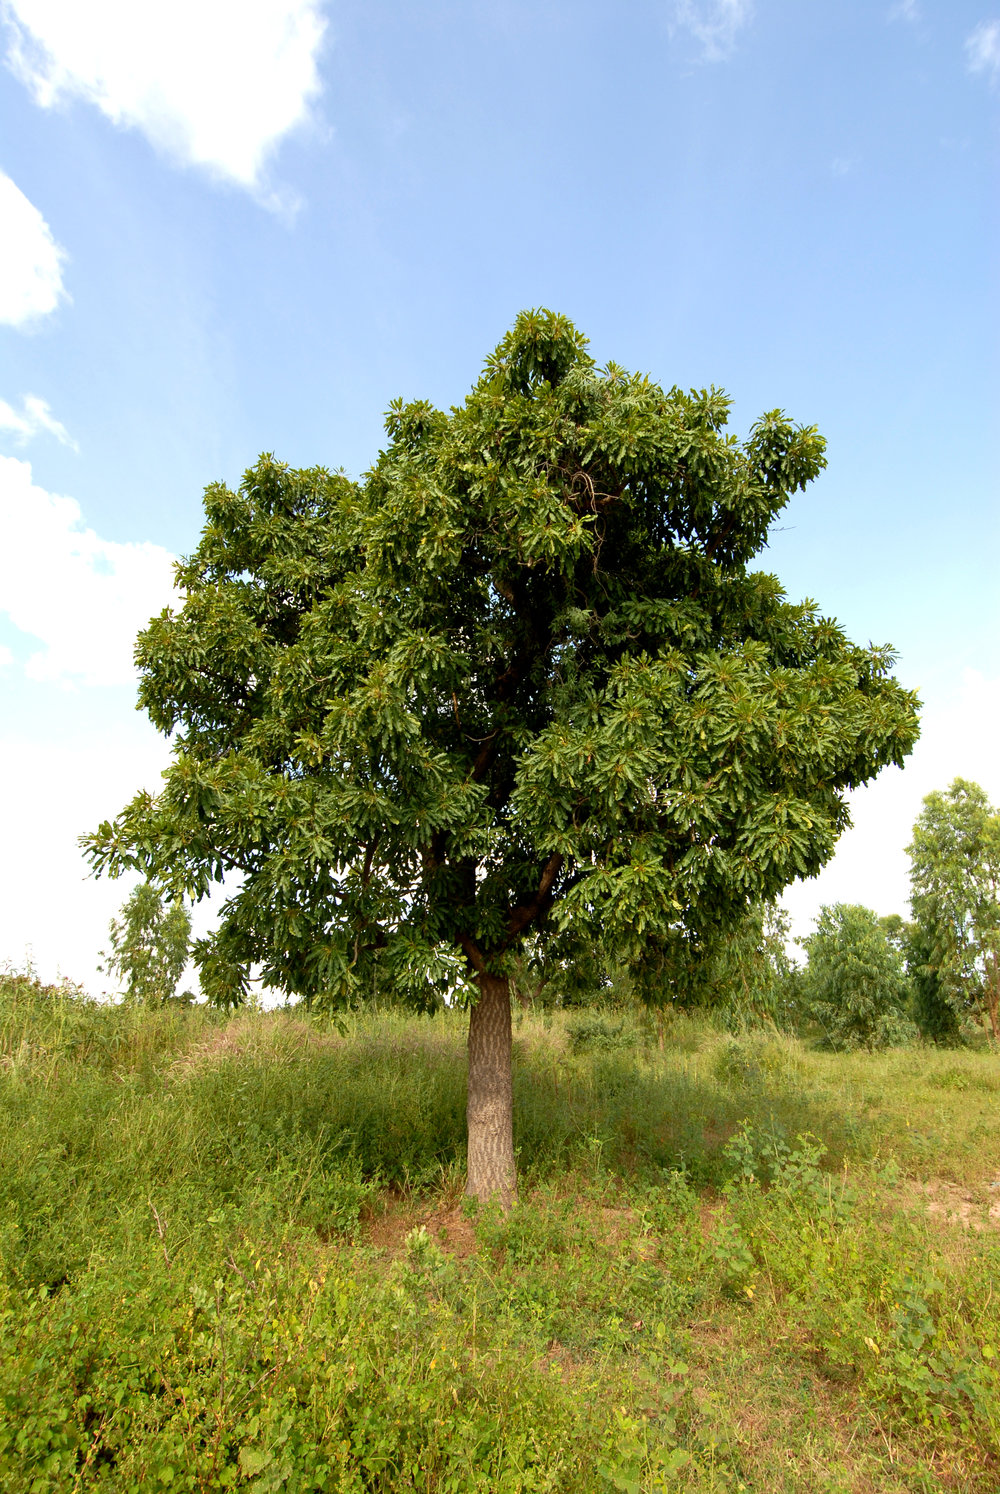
(491, 1172)
(993, 998)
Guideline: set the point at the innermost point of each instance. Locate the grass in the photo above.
(234, 1254)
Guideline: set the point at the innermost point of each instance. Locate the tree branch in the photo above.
(366, 874)
(473, 953)
(542, 901)
(714, 541)
(486, 754)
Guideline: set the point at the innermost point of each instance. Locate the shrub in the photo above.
(595, 1030)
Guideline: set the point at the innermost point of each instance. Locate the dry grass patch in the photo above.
(259, 1037)
(948, 1203)
(449, 1228)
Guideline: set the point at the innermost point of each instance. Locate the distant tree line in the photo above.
(867, 981)
(872, 982)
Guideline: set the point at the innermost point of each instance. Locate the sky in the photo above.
(236, 226)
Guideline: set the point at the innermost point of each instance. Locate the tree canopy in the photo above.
(518, 680)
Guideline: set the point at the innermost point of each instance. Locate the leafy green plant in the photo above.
(150, 945)
(855, 985)
(757, 1060)
(596, 1030)
(745, 976)
(940, 1018)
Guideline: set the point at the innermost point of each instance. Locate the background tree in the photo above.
(855, 984)
(744, 976)
(935, 1013)
(955, 897)
(561, 971)
(747, 977)
(518, 680)
(149, 946)
(929, 1007)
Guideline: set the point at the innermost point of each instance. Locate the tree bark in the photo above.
(992, 984)
(491, 1172)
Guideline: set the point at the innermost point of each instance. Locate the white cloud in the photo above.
(211, 83)
(35, 417)
(982, 49)
(958, 739)
(50, 909)
(83, 598)
(904, 10)
(30, 259)
(715, 24)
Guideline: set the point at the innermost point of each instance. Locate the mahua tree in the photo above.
(519, 680)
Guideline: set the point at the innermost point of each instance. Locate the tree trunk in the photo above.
(491, 1171)
(992, 984)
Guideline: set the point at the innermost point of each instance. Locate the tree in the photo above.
(934, 1013)
(150, 946)
(855, 984)
(744, 975)
(930, 1008)
(955, 897)
(747, 977)
(517, 681)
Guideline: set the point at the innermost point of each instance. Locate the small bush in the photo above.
(597, 1031)
(753, 1061)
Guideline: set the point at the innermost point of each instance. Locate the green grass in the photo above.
(234, 1254)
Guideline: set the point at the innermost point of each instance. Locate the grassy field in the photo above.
(234, 1254)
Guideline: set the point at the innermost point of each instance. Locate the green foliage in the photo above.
(556, 970)
(745, 977)
(758, 1061)
(855, 985)
(955, 881)
(601, 1030)
(520, 680)
(205, 1286)
(149, 946)
(937, 1016)
(877, 1310)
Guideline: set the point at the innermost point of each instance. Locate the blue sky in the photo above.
(234, 227)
